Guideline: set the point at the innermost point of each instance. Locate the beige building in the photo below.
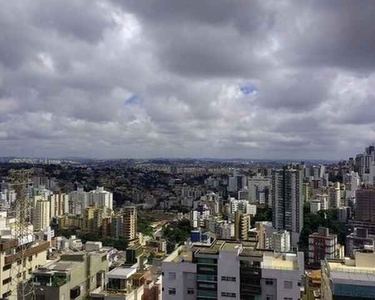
(241, 225)
(73, 276)
(93, 217)
(124, 224)
(41, 214)
(14, 270)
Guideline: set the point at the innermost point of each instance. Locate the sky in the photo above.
(261, 79)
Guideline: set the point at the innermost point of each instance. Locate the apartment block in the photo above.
(231, 270)
(349, 279)
(323, 244)
(72, 276)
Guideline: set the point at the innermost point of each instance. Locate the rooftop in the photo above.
(121, 272)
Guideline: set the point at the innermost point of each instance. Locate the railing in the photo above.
(207, 294)
(211, 278)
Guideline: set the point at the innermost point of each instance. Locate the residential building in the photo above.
(334, 196)
(124, 223)
(259, 188)
(280, 241)
(59, 204)
(287, 201)
(78, 201)
(349, 278)
(127, 284)
(92, 219)
(241, 225)
(13, 271)
(365, 205)
(72, 276)
(358, 240)
(315, 206)
(323, 244)
(231, 270)
(41, 215)
(100, 198)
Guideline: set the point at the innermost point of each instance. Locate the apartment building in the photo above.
(124, 223)
(231, 270)
(323, 244)
(72, 276)
(14, 271)
(349, 278)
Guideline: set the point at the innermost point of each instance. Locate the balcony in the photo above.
(210, 278)
(43, 246)
(207, 294)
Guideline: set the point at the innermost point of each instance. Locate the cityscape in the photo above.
(187, 150)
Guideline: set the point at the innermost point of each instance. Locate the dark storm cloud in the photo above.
(68, 68)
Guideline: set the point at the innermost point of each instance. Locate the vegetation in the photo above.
(326, 218)
(176, 233)
(263, 214)
(144, 226)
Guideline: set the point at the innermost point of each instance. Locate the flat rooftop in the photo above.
(121, 272)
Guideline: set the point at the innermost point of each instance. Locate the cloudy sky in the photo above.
(177, 78)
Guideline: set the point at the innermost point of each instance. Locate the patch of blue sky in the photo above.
(132, 100)
(248, 89)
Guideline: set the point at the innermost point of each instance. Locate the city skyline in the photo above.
(221, 79)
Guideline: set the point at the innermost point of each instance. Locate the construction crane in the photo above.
(22, 233)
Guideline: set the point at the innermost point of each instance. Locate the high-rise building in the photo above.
(100, 198)
(92, 219)
(287, 201)
(365, 208)
(323, 244)
(78, 201)
(334, 196)
(124, 224)
(41, 214)
(241, 225)
(59, 204)
(259, 189)
(231, 270)
(280, 241)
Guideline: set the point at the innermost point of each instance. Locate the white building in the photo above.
(78, 201)
(281, 241)
(59, 204)
(223, 271)
(315, 206)
(334, 197)
(41, 215)
(100, 198)
(242, 205)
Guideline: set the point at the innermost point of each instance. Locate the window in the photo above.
(269, 297)
(228, 295)
(269, 281)
(190, 291)
(172, 291)
(227, 278)
(5, 281)
(172, 275)
(288, 284)
(7, 267)
(286, 298)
